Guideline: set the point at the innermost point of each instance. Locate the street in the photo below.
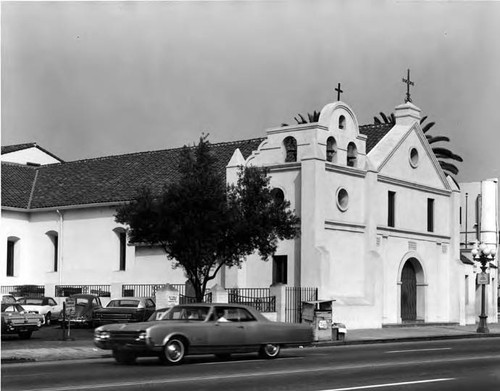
(432, 365)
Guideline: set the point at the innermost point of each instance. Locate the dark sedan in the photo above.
(125, 310)
(220, 329)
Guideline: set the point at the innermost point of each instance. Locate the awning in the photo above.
(466, 258)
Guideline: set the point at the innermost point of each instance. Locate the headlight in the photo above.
(102, 335)
(142, 336)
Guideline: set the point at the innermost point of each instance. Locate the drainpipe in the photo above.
(60, 243)
(466, 227)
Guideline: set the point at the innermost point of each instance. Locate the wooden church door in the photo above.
(408, 293)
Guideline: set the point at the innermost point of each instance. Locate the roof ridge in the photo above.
(153, 151)
(34, 167)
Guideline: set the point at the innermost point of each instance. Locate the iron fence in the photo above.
(259, 298)
(24, 290)
(68, 290)
(295, 295)
(149, 290)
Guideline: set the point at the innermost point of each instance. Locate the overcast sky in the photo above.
(91, 79)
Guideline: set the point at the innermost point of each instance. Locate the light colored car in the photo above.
(8, 298)
(45, 306)
(16, 320)
(125, 310)
(220, 329)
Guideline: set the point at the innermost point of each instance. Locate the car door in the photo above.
(150, 308)
(229, 332)
(53, 307)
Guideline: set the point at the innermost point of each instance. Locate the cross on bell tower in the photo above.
(339, 91)
(408, 83)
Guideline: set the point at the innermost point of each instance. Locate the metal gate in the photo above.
(295, 295)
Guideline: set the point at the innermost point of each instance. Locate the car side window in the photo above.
(149, 303)
(245, 316)
(52, 302)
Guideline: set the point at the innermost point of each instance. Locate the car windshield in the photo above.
(12, 308)
(8, 299)
(81, 301)
(189, 313)
(34, 301)
(124, 303)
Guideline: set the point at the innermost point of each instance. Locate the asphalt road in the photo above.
(433, 365)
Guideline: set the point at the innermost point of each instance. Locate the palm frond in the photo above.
(376, 121)
(448, 167)
(443, 153)
(436, 139)
(427, 127)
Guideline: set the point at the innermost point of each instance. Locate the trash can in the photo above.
(338, 331)
(318, 314)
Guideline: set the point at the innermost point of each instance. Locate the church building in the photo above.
(380, 221)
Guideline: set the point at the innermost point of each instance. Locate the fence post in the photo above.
(279, 291)
(219, 294)
(115, 289)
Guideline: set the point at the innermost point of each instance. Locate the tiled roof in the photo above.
(375, 133)
(113, 179)
(103, 180)
(19, 147)
(17, 182)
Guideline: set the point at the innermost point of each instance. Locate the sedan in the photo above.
(16, 320)
(125, 310)
(45, 306)
(219, 329)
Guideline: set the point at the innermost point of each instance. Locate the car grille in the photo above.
(124, 336)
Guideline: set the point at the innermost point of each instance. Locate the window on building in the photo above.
(53, 237)
(123, 247)
(280, 269)
(291, 149)
(331, 150)
(278, 195)
(10, 257)
(391, 209)
(430, 215)
(352, 155)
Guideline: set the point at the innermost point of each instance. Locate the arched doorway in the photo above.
(408, 293)
(412, 287)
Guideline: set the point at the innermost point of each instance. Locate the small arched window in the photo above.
(54, 238)
(341, 122)
(331, 150)
(291, 149)
(278, 195)
(352, 155)
(12, 255)
(122, 246)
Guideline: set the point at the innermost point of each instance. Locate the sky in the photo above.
(91, 79)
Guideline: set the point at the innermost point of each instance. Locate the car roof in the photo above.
(131, 298)
(85, 295)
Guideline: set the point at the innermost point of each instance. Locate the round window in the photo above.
(342, 199)
(414, 157)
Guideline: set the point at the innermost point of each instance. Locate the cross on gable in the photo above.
(339, 91)
(408, 83)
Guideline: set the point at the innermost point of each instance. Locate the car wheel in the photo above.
(174, 351)
(48, 321)
(269, 350)
(25, 334)
(124, 357)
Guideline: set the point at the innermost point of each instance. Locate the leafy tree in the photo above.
(443, 155)
(203, 223)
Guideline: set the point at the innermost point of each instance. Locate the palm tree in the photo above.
(311, 118)
(442, 154)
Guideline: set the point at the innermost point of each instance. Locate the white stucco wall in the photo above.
(29, 155)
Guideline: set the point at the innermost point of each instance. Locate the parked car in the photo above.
(201, 328)
(85, 306)
(16, 320)
(45, 306)
(8, 299)
(125, 310)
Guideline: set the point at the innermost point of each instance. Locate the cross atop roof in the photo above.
(408, 83)
(339, 91)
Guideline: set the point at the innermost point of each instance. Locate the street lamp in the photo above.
(483, 254)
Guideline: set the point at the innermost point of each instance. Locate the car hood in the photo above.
(119, 310)
(139, 326)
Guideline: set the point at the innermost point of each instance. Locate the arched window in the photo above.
(122, 243)
(278, 195)
(54, 238)
(12, 255)
(331, 150)
(352, 155)
(341, 122)
(291, 149)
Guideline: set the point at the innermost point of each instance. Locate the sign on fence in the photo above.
(70, 307)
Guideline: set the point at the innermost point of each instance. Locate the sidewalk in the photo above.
(85, 349)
